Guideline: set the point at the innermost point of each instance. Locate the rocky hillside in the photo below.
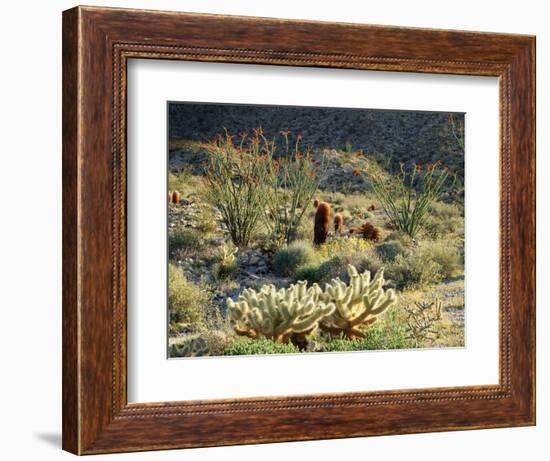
(423, 137)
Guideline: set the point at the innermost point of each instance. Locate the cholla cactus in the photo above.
(278, 314)
(358, 303)
(196, 347)
(421, 320)
(227, 261)
(227, 254)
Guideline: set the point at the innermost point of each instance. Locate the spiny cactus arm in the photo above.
(191, 348)
(358, 303)
(312, 318)
(239, 315)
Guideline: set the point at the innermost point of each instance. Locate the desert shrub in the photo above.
(413, 270)
(430, 262)
(401, 237)
(388, 250)
(206, 222)
(436, 227)
(344, 247)
(216, 341)
(334, 257)
(304, 230)
(444, 253)
(185, 241)
(308, 272)
(186, 301)
(287, 259)
(259, 346)
(336, 267)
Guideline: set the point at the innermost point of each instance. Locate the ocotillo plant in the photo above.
(293, 178)
(406, 197)
(322, 223)
(457, 130)
(235, 179)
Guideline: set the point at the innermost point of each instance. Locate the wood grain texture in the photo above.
(97, 43)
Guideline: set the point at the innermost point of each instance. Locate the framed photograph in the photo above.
(284, 230)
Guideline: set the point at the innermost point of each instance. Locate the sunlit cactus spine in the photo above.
(278, 314)
(359, 303)
(322, 223)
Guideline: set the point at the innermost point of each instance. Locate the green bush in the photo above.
(287, 259)
(185, 240)
(380, 336)
(388, 250)
(444, 254)
(444, 219)
(259, 346)
(187, 301)
(413, 271)
(430, 262)
(333, 259)
(308, 272)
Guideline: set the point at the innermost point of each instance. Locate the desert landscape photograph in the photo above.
(313, 229)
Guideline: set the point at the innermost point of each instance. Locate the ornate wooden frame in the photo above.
(97, 43)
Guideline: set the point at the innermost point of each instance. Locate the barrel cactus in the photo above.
(322, 223)
(338, 223)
